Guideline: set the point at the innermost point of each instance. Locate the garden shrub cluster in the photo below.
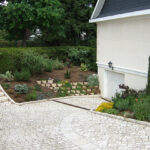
(12, 58)
(23, 75)
(131, 103)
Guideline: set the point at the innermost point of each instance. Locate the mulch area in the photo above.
(76, 76)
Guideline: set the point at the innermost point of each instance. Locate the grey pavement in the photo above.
(54, 126)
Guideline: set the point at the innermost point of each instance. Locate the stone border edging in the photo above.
(122, 118)
(9, 98)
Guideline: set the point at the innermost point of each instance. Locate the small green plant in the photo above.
(122, 104)
(93, 80)
(56, 80)
(31, 96)
(37, 87)
(67, 85)
(67, 75)
(21, 89)
(6, 86)
(7, 76)
(24, 75)
(56, 64)
(62, 93)
(84, 67)
(111, 111)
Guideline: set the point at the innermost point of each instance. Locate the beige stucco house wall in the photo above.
(126, 43)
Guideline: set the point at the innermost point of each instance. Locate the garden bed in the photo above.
(52, 84)
(129, 104)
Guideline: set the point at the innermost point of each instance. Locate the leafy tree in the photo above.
(20, 17)
(76, 21)
(3, 35)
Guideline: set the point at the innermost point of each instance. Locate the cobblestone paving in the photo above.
(53, 126)
(90, 102)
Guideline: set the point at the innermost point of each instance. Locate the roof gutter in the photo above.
(120, 16)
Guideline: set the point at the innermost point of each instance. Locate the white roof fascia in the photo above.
(98, 8)
(119, 16)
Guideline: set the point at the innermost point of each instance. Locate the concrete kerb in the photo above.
(121, 118)
(9, 98)
(57, 99)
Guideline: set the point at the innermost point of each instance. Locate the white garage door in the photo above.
(113, 80)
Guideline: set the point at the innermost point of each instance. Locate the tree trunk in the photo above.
(26, 36)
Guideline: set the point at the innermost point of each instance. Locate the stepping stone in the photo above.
(1, 94)
(44, 81)
(50, 81)
(3, 98)
(38, 82)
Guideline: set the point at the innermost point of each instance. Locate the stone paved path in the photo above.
(88, 102)
(54, 126)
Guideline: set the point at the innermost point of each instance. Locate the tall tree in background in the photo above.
(20, 17)
(76, 21)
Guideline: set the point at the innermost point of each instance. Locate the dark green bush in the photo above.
(141, 110)
(23, 75)
(48, 66)
(122, 104)
(67, 74)
(148, 80)
(31, 96)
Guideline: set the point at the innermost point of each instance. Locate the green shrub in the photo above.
(31, 96)
(142, 110)
(37, 87)
(10, 58)
(21, 89)
(8, 76)
(6, 86)
(93, 80)
(48, 66)
(24, 75)
(111, 111)
(34, 62)
(148, 80)
(122, 104)
(67, 75)
(56, 64)
(84, 67)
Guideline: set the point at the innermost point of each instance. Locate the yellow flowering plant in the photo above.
(104, 105)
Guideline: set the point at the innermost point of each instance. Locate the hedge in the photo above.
(76, 54)
(19, 44)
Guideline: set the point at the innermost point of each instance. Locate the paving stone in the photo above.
(54, 126)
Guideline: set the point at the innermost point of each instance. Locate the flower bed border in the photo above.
(147, 124)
